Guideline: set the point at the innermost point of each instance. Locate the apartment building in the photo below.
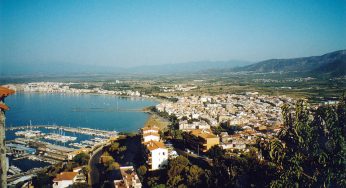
(129, 178)
(206, 139)
(157, 155)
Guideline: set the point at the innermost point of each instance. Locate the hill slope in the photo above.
(333, 63)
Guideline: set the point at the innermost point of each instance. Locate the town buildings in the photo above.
(206, 139)
(246, 117)
(157, 155)
(150, 136)
(72, 154)
(129, 178)
(58, 87)
(154, 149)
(64, 179)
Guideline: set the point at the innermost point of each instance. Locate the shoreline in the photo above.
(155, 99)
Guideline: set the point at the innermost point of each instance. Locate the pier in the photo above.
(87, 131)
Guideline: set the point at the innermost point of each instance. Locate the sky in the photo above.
(133, 33)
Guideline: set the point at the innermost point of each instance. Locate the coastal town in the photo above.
(71, 88)
(249, 116)
(233, 122)
(172, 94)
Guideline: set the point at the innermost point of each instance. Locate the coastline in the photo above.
(128, 108)
(154, 99)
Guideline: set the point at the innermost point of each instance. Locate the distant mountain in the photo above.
(56, 68)
(191, 67)
(71, 68)
(333, 63)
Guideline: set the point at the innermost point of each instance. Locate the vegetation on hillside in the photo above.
(308, 152)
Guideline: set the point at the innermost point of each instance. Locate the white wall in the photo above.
(159, 158)
(151, 137)
(63, 184)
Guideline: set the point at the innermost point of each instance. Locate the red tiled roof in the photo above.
(151, 134)
(152, 145)
(65, 176)
(203, 134)
(6, 92)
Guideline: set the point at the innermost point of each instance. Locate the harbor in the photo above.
(87, 131)
(40, 138)
(36, 146)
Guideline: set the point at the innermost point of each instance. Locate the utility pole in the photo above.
(4, 92)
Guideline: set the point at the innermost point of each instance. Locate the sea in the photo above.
(106, 112)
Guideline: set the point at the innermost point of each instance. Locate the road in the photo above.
(93, 162)
(194, 157)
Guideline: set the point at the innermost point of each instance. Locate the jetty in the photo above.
(80, 130)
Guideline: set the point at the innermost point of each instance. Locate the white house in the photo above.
(152, 129)
(157, 155)
(64, 179)
(151, 136)
(185, 126)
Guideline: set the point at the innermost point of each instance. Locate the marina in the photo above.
(29, 132)
(37, 139)
(34, 146)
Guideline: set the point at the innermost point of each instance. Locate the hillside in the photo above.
(333, 63)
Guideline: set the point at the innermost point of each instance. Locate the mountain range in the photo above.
(333, 64)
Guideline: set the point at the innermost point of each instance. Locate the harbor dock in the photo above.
(87, 131)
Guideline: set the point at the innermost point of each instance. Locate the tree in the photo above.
(122, 149)
(175, 170)
(219, 175)
(182, 174)
(160, 186)
(142, 170)
(81, 158)
(106, 159)
(194, 176)
(114, 147)
(69, 166)
(216, 152)
(113, 166)
(152, 181)
(85, 171)
(177, 134)
(310, 150)
(41, 180)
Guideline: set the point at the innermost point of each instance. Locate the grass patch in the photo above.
(157, 121)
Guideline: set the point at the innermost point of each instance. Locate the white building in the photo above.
(157, 155)
(64, 179)
(185, 126)
(150, 133)
(152, 129)
(151, 136)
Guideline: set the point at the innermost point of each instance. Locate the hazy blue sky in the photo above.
(130, 33)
